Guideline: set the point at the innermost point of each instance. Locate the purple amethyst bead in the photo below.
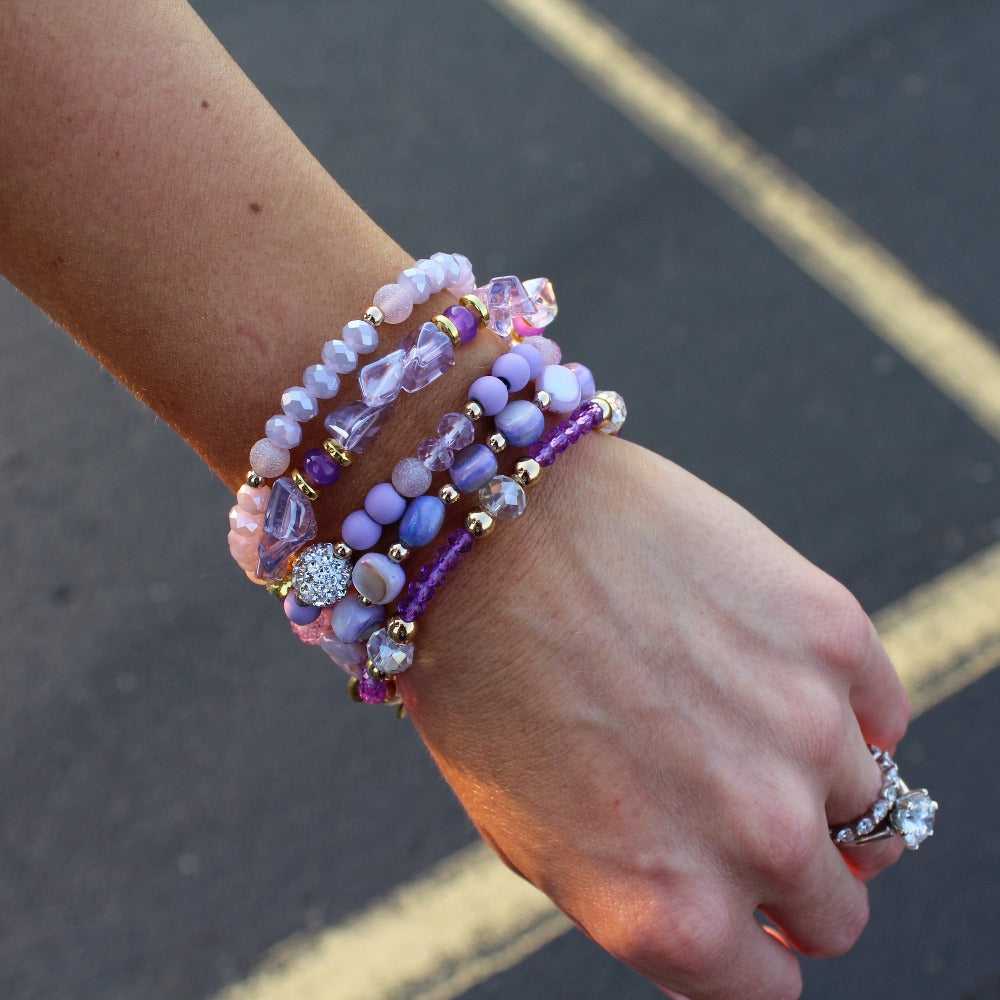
(572, 433)
(422, 521)
(450, 560)
(371, 691)
(461, 540)
(512, 369)
(559, 444)
(299, 614)
(383, 504)
(490, 393)
(432, 574)
(410, 611)
(543, 454)
(474, 466)
(319, 468)
(464, 322)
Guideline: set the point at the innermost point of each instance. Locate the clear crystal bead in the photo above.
(381, 381)
(387, 655)
(320, 577)
(543, 298)
(457, 431)
(503, 497)
(505, 298)
(618, 410)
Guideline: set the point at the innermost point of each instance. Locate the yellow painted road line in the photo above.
(927, 331)
(468, 919)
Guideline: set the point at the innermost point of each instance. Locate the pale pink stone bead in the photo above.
(395, 301)
(253, 499)
(551, 352)
(242, 523)
(268, 459)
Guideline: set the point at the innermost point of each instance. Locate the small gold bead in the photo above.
(400, 630)
(542, 399)
(400, 711)
(353, 689)
(304, 488)
(479, 522)
(448, 493)
(477, 307)
(527, 472)
(254, 480)
(446, 326)
(280, 590)
(337, 453)
(398, 552)
(497, 443)
(374, 315)
(606, 411)
(342, 550)
(375, 674)
(473, 410)
(364, 600)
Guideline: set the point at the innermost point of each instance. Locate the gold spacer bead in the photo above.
(527, 472)
(338, 454)
(473, 410)
(542, 399)
(477, 307)
(446, 326)
(401, 631)
(304, 488)
(448, 493)
(497, 442)
(479, 522)
(398, 552)
(280, 590)
(606, 411)
(353, 689)
(364, 600)
(342, 550)
(374, 315)
(375, 674)
(254, 480)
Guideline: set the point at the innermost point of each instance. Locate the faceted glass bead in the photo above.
(618, 411)
(435, 454)
(339, 358)
(243, 523)
(299, 404)
(387, 655)
(354, 425)
(543, 298)
(283, 431)
(371, 691)
(429, 354)
(253, 499)
(456, 430)
(434, 271)
(503, 497)
(418, 283)
(505, 298)
(321, 382)
(382, 380)
(360, 336)
(321, 577)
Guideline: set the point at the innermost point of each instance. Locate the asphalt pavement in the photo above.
(182, 786)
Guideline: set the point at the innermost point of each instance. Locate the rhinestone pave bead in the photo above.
(320, 577)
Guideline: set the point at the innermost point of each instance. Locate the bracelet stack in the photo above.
(335, 592)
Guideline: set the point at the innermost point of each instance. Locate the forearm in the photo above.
(156, 206)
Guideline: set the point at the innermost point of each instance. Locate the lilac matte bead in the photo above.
(475, 466)
(532, 355)
(360, 336)
(353, 621)
(422, 521)
(512, 369)
(464, 321)
(562, 385)
(321, 382)
(299, 614)
(521, 422)
(284, 431)
(319, 468)
(490, 393)
(360, 531)
(585, 377)
(411, 477)
(299, 404)
(383, 504)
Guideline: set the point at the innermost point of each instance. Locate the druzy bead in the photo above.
(320, 576)
(422, 521)
(383, 504)
(382, 380)
(418, 284)
(562, 385)
(299, 614)
(411, 477)
(532, 355)
(585, 377)
(299, 404)
(354, 425)
(360, 336)
(360, 531)
(284, 431)
(429, 354)
(321, 382)
(319, 468)
(512, 369)
(377, 578)
(371, 691)
(456, 430)
(473, 467)
(435, 454)
(339, 358)
(395, 301)
(490, 393)
(521, 422)
(464, 322)
(353, 621)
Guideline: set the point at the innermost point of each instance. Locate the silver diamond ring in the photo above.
(896, 810)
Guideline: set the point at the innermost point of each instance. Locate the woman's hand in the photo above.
(653, 709)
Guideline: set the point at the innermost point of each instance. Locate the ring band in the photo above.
(897, 810)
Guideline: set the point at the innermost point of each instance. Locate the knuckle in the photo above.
(842, 633)
(781, 836)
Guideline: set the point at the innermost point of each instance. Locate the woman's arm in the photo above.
(649, 705)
